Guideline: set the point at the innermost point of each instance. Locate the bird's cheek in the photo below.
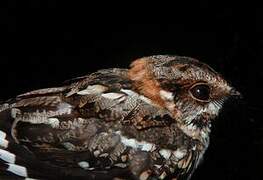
(206, 118)
(212, 109)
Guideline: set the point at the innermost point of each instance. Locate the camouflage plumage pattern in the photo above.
(106, 125)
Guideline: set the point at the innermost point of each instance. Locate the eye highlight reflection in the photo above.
(200, 92)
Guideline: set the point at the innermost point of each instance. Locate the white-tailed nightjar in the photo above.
(151, 121)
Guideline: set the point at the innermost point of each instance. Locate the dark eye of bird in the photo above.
(201, 92)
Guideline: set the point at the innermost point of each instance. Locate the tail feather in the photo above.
(17, 160)
(14, 159)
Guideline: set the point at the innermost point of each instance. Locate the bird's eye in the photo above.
(200, 92)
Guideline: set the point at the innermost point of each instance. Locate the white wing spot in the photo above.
(112, 95)
(129, 92)
(7, 156)
(93, 89)
(84, 164)
(129, 142)
(69, 146)
(133, 143)
(121, 165)
(165, 153)
(145, 146)
(96, 153)
(179, 154)
(54, 122)
(104, 155)
(64, 108)
(18, 170)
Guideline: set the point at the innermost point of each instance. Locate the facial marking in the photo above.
(165, 95)
(213, 109)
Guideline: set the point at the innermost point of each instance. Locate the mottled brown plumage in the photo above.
(151, 121)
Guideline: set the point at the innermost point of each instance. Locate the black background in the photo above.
(45, 43)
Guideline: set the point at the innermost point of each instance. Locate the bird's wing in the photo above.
(48, 131)
(76, 130)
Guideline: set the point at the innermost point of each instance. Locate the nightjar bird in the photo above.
(151, 121)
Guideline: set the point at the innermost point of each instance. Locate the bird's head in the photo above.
(189, 89)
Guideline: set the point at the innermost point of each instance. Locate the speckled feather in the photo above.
(115, 123)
